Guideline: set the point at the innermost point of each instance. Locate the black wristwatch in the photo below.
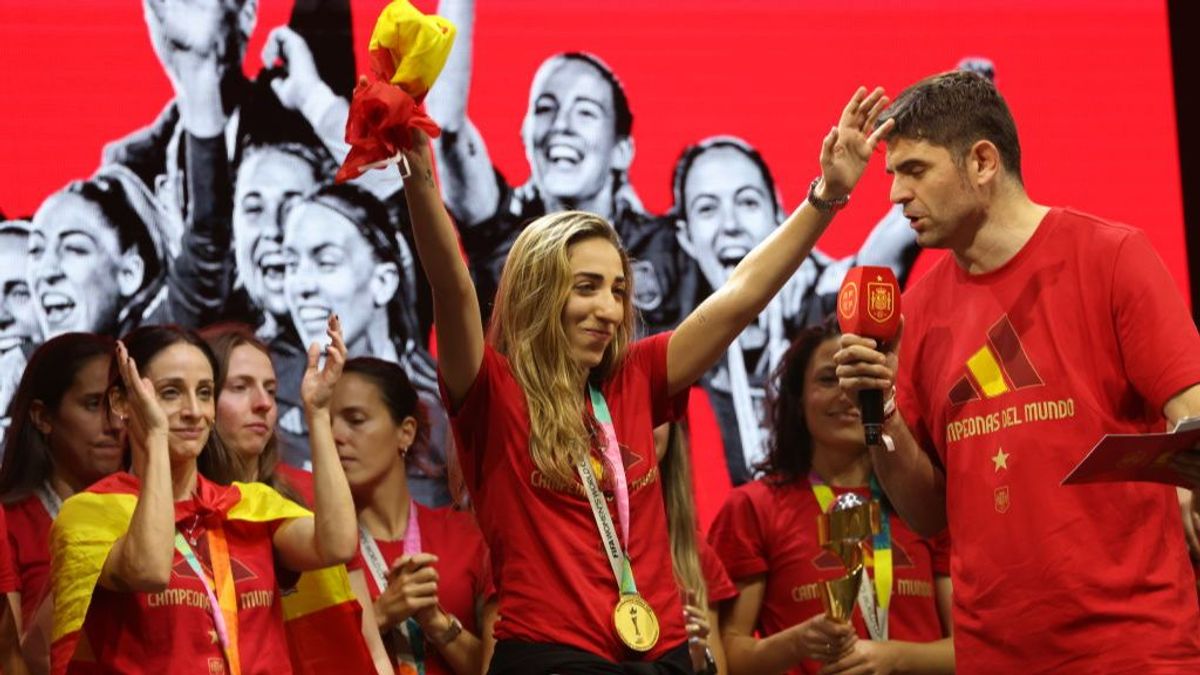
(710, 664)
(825, 205)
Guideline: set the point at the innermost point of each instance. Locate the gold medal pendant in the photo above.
(637, 626)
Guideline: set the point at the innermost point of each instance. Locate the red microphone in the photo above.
(869, 305)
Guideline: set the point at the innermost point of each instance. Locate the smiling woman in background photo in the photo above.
(344, 255)
(97, 256)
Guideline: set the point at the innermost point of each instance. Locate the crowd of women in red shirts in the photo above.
(150, 525)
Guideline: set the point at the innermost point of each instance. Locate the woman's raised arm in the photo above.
(712, 327)
(457, 321)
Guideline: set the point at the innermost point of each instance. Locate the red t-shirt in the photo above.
(29, 543)
(464, 571)
(720, 586)
(555, 582)
(299, 480)
(1012, 376)
(8, 575)
(772, 530)
(173, 631)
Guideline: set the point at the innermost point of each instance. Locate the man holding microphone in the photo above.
(1045, 329)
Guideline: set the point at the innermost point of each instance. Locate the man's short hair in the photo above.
(622, 115)
(954, 110)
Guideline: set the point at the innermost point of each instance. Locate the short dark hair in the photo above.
(691, 153)
(622, 115)
(954, 110)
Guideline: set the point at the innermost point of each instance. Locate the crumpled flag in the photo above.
(407, 52)
(409, 49)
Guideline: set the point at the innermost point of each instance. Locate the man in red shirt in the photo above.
(1045, 329)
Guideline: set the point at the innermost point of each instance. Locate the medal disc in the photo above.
(637, 626)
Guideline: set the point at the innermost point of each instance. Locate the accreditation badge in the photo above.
(636, 624)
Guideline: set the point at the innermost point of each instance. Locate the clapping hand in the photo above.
(316, 390)
(411, 591)
(138, 408)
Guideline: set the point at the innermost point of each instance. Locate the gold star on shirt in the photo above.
(1001, 459)
(212, 635)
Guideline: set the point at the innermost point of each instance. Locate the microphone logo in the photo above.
(848, 300)
(881, 300)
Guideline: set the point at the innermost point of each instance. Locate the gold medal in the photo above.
(637, 626)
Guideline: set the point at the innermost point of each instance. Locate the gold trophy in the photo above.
(842, 531)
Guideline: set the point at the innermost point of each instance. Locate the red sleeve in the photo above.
(650, 355)
(737, 536)
(1159, 344)
(716, 579)
(8, 575)
(908, 400)
(939, 548)
(486, 584)
(472, 419)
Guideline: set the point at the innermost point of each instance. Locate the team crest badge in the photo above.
(881, 301)
(1002, 499)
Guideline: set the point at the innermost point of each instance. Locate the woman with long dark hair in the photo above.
(172, 567)
(766, 534)
(61, 441)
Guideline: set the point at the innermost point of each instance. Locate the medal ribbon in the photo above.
(410, 629)
(881, 545)
(49, 499)
(223, 601)
(615, 548)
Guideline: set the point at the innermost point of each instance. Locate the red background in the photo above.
(1089, 82)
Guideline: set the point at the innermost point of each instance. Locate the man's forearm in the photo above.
(914, 485)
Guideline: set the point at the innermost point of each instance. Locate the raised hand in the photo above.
(411, 591)
(191, 41)
(139, 409)
(847, 147)
(300, 79)
(189, 25)
(316, 389)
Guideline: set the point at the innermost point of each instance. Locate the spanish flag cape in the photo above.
(322, 618)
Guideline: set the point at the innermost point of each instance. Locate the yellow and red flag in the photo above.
(407, 52)
(322, 618)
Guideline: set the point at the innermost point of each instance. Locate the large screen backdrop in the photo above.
(749, 87)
